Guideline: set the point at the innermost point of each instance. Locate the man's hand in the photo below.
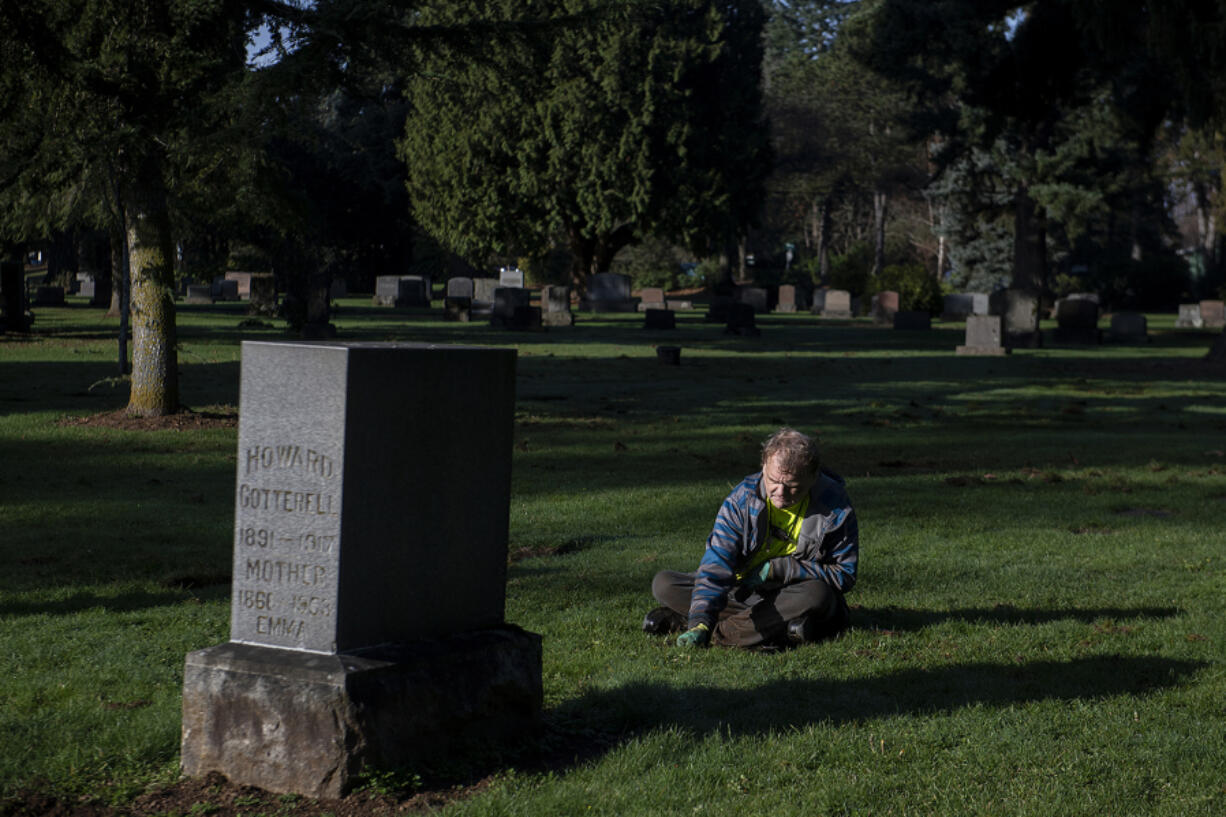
(757, 577)
(696, 636)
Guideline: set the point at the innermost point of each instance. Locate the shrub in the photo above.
(917, 288)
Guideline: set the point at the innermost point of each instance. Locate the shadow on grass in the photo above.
(176, 593)
(788, 704)
(902, 619)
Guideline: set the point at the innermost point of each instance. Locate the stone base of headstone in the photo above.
(457, 309)
(1076, 336)
(982, 351)
(679, 305)
(669, 355)
(659, 319)
(558, 317)
(785, 309)
(311, 724)
(912, 321)
(837, 314)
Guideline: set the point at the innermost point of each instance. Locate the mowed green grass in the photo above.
(1038, 626)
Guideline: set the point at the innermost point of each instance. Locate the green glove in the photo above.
(757, 577)
(696, 636)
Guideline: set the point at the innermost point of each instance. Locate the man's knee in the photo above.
(672, 589)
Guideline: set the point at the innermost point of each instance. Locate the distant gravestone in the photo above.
(883, 307)
(1129, 327)
(458, 300)
(659, 319)
(1189, 317)
(1213, 314)
(609, 292)
(86, 286)
(339, 288)
(756, 297)
(199, 294)
(837, 304)
(679, 304)
(718, 309)
(262, 292)
(224, 289)
(511, 305)
(370, 542)
(243, 279)
(984, 336)
(819, 301)
(483, 296)
(555, 306)
(959, 305)
(49, 296)
(912, 321)
(402, 290)
(741, 321)
(511, 278)
(1077, 321)
(13, 296)
(1020, 310)
(790, 299)
(651, 298)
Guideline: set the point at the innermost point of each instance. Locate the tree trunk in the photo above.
(880, 200)
(155, 368)
(823, 242)
(1029, 244)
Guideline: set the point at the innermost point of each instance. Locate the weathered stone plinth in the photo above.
(311, 724)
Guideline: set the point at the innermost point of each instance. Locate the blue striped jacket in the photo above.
(828, 547)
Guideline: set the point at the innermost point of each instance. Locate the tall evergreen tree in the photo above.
(624, 121)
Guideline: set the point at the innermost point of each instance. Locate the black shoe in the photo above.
(663, 620)
(806, 630)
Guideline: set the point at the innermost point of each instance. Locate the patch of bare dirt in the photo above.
(186, 420)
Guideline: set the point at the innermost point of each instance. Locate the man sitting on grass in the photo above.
(782, 554)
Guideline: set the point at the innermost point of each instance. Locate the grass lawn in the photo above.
(1038, 626)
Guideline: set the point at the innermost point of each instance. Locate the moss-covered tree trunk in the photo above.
(155, 367)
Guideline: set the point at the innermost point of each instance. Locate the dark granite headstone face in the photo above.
(756, 297)
(225, 289)
(819, 301)
(508, 301)
(339, 288)
(659, 319)
(608, 286)
(912, 321)
(49, 296)
(1213, 314)
(1076, 313)
(1129, 327)
(460, 288)
(13, 296)
(199, 294)
(339, 453)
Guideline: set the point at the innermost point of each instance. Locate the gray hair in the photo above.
(796, 452)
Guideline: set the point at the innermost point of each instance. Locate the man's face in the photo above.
(782, 487)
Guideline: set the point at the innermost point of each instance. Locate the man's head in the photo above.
(790, 462)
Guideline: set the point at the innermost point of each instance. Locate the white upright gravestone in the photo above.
(370, 537)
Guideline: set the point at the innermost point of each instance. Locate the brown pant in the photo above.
(761, 616)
